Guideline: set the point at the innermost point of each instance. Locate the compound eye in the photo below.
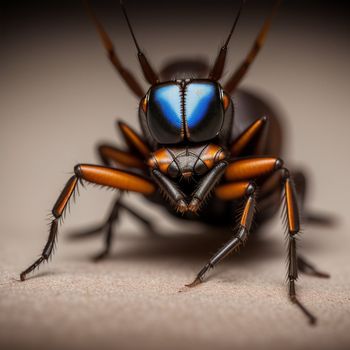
(144, 104)
(164, 114)
(173, 170)
(225, 100)
(204, 114)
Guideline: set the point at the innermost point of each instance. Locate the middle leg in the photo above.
(113, 216)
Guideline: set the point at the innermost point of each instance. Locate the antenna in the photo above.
(219, 64)
(147, 70)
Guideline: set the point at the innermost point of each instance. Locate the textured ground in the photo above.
(133, 300)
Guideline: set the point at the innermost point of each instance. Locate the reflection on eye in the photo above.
(203, 111)
(197, 102)
(164, 114)
(168, 100)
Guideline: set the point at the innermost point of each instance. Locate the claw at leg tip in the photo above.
(194, 283)
(313, 321)
(323, 275)
(98, 258)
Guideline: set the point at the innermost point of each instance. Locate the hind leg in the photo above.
(269, 203)
(108, 228)
(304, 265)
(113, 217)
(314, 218)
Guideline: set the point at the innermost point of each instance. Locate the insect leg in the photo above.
(311, 217)
(249, 138)
(250, 168)
(113, 216)
(134, 140)
(107, 226)
(305, 266)
(236, 190)
(206, 185)
(99, 175)
(270, 193)
(293, 225)
(264, 171)
(111, 155)
(170, 190)
(147, 223)
(231, 85)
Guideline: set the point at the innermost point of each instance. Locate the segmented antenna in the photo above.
(219, 64)
(232, 83)
(147, 70)
(125, 74)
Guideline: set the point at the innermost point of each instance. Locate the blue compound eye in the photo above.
(203, 111)
(192, 111)
(164, 113)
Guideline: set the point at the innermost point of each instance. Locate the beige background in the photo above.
(59, 95)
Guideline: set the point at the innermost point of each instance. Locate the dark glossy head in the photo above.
(184, 111)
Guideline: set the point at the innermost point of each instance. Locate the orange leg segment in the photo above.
(99, 175)
(248, 136)
(64, 197)
(291, 206)
(250, 168)
(293, 222)
(114, 178)
(117, 156)
(134, 141)
(232, 191)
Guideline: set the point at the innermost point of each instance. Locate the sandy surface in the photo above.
(61, 96)
(132, 299)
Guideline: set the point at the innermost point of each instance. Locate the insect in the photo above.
(191, 147)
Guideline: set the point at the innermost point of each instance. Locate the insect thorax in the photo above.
(186, 161)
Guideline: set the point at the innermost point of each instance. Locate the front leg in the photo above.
(236, 190)
(103, 176)
(170, 190)
(206, 185)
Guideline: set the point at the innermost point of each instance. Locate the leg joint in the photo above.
(242, 234)
(78, 171)
(251, 188)
(285, 174)
(279, 163)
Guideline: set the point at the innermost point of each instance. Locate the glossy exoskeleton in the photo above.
(191, 146)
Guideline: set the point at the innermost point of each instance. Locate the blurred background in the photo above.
(60, 96)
